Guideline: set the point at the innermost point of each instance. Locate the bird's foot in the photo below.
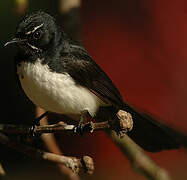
(32, 133)
(79, 129)
(35, 123)
(38, 119)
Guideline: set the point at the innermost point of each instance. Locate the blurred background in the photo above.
(142, 46)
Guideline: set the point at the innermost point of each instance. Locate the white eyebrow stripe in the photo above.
(35, 28)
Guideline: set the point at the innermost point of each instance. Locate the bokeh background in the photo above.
(142, 46)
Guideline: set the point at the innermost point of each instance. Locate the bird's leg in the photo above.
(36, 122)
(79, 128)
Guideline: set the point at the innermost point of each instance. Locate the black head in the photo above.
(36, 33)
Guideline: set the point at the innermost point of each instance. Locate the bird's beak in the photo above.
(15, 41)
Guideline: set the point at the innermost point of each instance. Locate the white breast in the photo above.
(56, 92)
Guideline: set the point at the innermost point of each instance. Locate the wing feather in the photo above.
(80, 66)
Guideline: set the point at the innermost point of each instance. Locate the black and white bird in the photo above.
(59, 75)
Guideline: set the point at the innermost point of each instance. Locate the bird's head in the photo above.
(36, 33)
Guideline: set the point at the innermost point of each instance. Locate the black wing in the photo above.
(147, 132)
(87, 73)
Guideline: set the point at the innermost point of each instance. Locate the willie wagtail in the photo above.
(59, 75)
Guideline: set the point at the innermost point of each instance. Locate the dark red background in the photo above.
(142, 45)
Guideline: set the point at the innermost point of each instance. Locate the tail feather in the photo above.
(154, 136)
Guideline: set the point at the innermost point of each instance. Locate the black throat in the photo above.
(49, 53)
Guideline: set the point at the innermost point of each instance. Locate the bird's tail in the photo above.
(154, 136)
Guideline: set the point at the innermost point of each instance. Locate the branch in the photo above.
(140, 162)
(76, 165)
(121, 126)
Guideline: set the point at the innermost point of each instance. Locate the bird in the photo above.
(58, 75)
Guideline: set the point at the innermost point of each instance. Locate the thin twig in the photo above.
(76, 165)
(123, 124)
(60, 127)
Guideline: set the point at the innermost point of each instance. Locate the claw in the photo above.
(37, 120)
(31, 131)
(79, 129)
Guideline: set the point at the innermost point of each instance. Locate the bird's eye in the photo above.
(37, 35)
